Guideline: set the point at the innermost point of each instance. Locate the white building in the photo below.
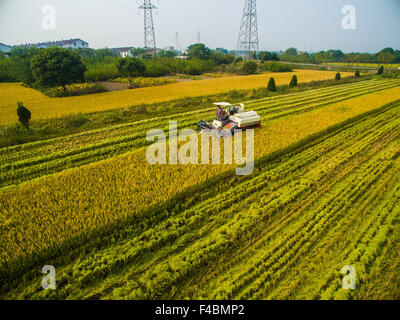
(4, 48)
(74, 44)
(123, 52)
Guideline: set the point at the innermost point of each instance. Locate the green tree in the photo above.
(24, 115)
(322, 56)
(57, 67)
(386, 57)
(222, 58)
(238, 59)
(293, 82)
(335, 55)
(86, 52)
(386, 50)
(102, 53)
(131, 67)
(357, 74)
(268, 56)
(271, 85)
(138, 52)
(380, 70)
(21, 63)
(352, 58)
(166, 54)
(249, 67)
(199, 51)
(397, 56)
(291, 52)
(338, 76)
(222, 50)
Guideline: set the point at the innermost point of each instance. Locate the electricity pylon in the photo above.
(248, 35)
(149, 34)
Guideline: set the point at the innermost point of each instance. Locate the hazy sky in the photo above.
(310, 25)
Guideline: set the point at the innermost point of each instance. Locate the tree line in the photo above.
(387, 55)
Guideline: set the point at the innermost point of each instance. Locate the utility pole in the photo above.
(198, 37)
(248, 35)
(149, 34)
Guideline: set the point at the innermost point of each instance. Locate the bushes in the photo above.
(268, 56)
(101, 72)
(276, 67)
(24, 115)
(271, 85)
(75, 121)
(72, 90)
(21, 63)
(235, 68)
(167, 66)
(6, 71)
(131, 68)
(380, 70)
(391, 75)
(156, 70)
(146, 82)
(161, 67)
(293, 82)
(338, 76)
(197, 67)
(192, 70)
(249, 67)
(357, 74)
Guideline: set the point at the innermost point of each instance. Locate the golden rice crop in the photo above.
(141, 82)
(48, 212)
(43, 107)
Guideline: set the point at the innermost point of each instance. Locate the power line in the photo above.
(121, 6)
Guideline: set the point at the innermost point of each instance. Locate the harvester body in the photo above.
(236, 118)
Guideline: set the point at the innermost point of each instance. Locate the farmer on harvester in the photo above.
(222, 116)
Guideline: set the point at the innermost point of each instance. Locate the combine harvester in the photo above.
(234, 118)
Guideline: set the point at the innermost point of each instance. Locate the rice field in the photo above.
(324, 194)
(43, 107)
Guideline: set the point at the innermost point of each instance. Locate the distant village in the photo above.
(77, 44)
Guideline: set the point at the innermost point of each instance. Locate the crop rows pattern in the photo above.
(33, 160)
(284, 232)
(324, 194)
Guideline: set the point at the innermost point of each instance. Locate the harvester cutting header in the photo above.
(233, 118)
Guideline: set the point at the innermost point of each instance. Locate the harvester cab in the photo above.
(233, 118)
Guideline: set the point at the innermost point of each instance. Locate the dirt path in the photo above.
(113, 86)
